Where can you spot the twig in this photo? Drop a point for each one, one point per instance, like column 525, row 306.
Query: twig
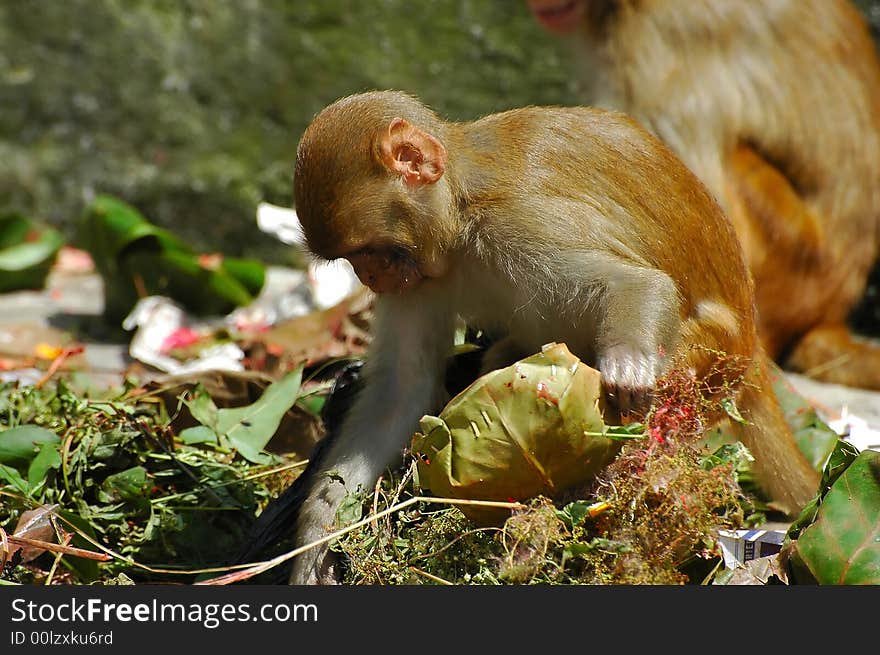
column 122, row 558
column 430, row 576
column 376, row 490
column 52, row 569
column 279, row 469
column 65, row 464
column 56, row 548
column 245, row 571
column 827, row 366
column 260, row 567
column 56, row 364
column 406, row 477
column 4, row 549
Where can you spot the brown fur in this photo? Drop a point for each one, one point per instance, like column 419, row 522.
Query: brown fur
column 572, row 225
column 775, row 105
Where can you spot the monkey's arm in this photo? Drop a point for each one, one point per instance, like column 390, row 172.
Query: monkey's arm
column 638, row 321
column 404, row 376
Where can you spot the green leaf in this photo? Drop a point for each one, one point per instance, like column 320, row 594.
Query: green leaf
column 110, row 226
column 250, row 273
column 250, row 428
column 841, row 458
column 575, row 512
column 133, row 255
column 814, row 437
column 19, row 445
column 816, row 443
column 27, row 252
column 130, row 484
column 842, row 546
column 198, row 434
column 532, row 428
column 735, row 454
column 202, row 407
column 181, row 276
column 624, row 432
column 843, row 455
column 47, row 458
column 350, row 509
column 88, row 569
column 13, row 477
column 732, row 410
column 312, row 403
column 577, row 549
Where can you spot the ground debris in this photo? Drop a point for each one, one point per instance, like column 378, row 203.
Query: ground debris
column 650, row 517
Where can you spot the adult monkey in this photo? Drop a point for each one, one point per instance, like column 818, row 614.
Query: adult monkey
column 775, row 105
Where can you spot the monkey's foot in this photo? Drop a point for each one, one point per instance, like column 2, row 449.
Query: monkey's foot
column 831, row 353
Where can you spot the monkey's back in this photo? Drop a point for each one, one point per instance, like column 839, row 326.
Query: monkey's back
column 596, row 177
column 799, row 80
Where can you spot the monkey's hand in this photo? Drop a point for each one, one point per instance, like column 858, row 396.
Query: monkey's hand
column 628, row 375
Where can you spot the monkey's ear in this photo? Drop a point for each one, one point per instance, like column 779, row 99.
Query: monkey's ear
column 414, row 154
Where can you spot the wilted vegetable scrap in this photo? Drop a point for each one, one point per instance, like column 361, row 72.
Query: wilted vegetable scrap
column 27, row 252
column 136, row 259
column 532, row 428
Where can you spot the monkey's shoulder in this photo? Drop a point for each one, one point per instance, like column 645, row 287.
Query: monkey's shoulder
column 580, row 130
column 585, row 117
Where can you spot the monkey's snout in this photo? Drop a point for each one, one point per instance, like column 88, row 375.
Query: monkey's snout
column 385, row 272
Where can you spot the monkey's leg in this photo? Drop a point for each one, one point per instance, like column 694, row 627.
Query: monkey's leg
column 403, row 377
column 831, row 353
column 802, row 291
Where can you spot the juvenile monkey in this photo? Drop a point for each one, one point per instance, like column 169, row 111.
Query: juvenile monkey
column 547, row 224
column 775, row 105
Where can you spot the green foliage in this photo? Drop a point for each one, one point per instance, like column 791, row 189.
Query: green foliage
column 118, row 475
column 27, row 252
column 135, row 257
column 842, row 545
column 651, row 519
column 814, row 438
column 20, row 444
column 191, row 110
column 247, row 429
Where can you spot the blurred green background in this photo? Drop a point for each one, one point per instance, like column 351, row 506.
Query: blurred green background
column 191, row 109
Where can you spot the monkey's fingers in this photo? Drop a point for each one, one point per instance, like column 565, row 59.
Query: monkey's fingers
column 628, row 376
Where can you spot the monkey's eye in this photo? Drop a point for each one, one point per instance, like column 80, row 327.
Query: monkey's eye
column 388, row 256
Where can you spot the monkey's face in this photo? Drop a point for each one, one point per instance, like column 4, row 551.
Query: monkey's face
column 374, row 225
column 372, row 190
column 559, row 16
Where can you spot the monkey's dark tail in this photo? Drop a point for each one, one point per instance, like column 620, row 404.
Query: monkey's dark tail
column 273, row 529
